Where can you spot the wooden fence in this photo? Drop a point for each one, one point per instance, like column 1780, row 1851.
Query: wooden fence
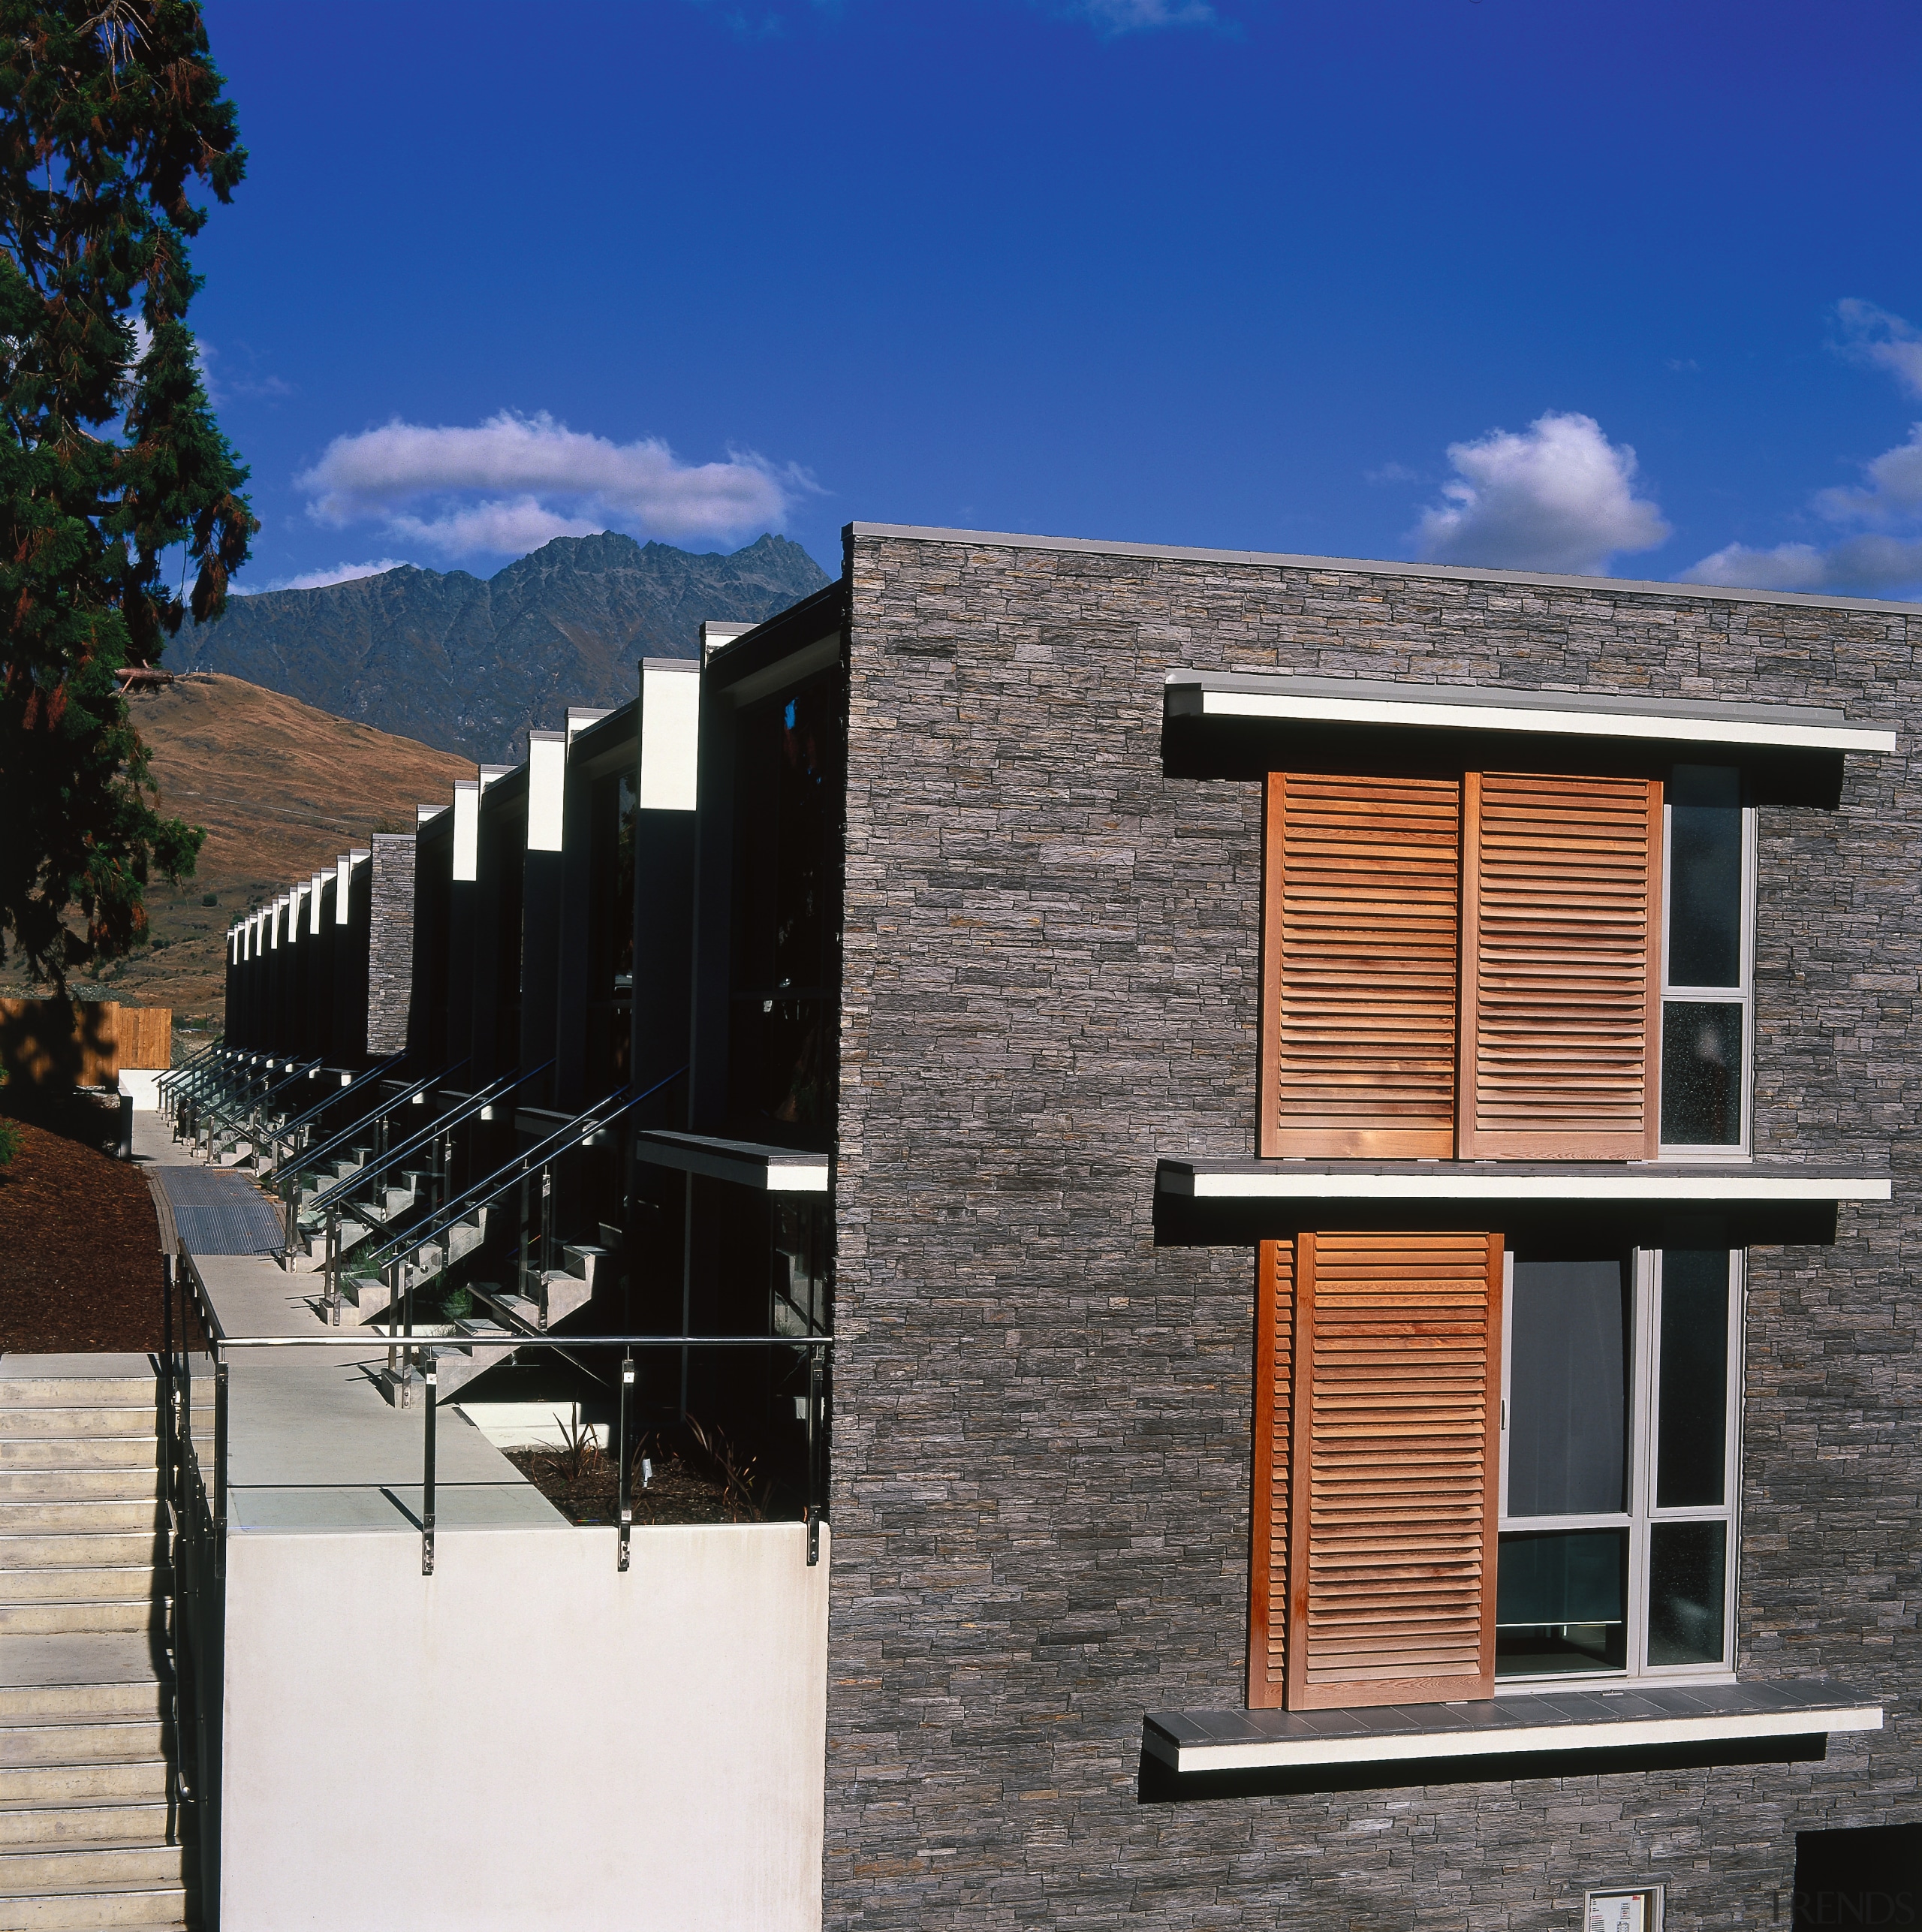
column 82, row 1042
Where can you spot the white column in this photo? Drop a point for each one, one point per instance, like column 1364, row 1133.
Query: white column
column 669, row 732
column 547, row 787
column 466, row 828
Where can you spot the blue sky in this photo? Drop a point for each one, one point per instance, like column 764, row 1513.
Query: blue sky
column 1403, row 280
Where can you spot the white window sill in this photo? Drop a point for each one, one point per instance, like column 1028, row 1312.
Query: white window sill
column 1509, row 1724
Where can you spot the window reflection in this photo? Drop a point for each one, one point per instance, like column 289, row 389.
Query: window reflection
column 1568, row 1388
column 1704, row 876
column 1561, row 1601
column 1701, row 1074
column 787, row 905
column 1692, row 1445
column 1687, row 1562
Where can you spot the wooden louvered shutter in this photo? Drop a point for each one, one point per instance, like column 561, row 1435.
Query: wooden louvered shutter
column 1274, row 1426
column 1560, row 972
column 1392, row 1504
column 1361, row 967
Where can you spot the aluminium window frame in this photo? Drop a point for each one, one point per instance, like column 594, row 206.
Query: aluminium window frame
column 1742, row 994
column 1641, row 1515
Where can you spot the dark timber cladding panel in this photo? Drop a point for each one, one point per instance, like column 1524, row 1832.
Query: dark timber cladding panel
column 1391, row 1569
column 1561, row 974
column 1274, row 1421
column 1363, row 891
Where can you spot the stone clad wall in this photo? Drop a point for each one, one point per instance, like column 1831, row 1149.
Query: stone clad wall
column 390, row 942
column 1041, row 1458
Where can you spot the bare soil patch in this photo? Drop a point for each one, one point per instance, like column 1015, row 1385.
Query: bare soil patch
column 79, row 1259
column 584, row 1490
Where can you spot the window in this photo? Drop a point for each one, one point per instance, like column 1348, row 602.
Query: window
column 1474, row 1464
column 1708, row 974
column 786, row 916
column 1619, row 1449
column 1506, row 966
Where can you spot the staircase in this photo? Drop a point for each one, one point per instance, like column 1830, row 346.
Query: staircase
column 478, row 1344
column 86, row 1749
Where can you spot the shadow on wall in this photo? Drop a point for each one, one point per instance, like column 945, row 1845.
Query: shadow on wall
column 52, row 1050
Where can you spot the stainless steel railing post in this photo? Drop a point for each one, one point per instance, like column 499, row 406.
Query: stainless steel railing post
column 427, row 1476
column 624, row 1490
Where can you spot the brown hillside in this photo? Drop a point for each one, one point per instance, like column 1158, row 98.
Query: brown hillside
column 282, row 789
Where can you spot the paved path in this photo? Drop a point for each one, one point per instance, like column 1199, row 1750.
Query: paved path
column 312, row 1443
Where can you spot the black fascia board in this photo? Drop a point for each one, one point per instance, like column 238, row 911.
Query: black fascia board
column 606, row 738
column 504, row 795
column 795, row 629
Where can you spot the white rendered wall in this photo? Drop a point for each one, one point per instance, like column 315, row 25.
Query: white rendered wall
column 527, row 1738
column 143, row 1084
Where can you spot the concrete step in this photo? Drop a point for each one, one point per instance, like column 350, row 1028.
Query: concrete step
column 102, row 1740
column 137, row 1779
column 89, row 1616
column 105, row 1583
column 45, row 1825
column 96, row 1421
column 32, row 1391
column 142, row 1698
column 73, row 1867
column 82, row 1516
column 81, row 1452
column 126, row 1910
column 77, row 1551
column 72, row 1483
column 566, row 1292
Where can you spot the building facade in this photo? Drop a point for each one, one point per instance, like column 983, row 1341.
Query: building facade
column 1349, row 1122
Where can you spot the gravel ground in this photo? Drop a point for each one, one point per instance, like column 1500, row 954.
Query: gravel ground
column 79, row 1262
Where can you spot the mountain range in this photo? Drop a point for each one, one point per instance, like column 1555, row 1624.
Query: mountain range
column 467, row 664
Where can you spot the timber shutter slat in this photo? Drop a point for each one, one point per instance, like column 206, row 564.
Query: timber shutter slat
column 1560, row 987
column 1274, row 1423
column 1362, row 949
column 1390, row 1567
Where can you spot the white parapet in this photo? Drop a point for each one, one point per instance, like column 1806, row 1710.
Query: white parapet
column 659, row 1735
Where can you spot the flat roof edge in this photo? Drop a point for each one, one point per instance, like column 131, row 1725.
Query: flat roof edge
column 1379, row 567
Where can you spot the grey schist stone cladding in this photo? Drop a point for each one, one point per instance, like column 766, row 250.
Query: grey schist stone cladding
column 1042, row 1456
column 390, row 942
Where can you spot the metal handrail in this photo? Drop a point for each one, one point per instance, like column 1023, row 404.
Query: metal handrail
column 817, row 1347
column 495, row 1090
column 483, row 1192
column 332, row 1144
column 255, row 1101
column 334, row 1099
column 185, row 1067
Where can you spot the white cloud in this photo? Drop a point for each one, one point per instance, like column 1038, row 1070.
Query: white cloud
column 1894, row 493
column 1873, row 336
column 1134, row 16
column 514, row 482
column 1559, row 498
column 319, row 580
column 1883, row 557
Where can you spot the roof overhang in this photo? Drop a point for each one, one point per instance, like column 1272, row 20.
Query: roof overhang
column 746, row 1163
column 1353, row 704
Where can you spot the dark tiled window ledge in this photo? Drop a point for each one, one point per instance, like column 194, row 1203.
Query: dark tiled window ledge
column 1656, row 1716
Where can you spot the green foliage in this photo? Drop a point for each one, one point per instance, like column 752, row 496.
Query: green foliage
column 11, row 1137
column 110, row 455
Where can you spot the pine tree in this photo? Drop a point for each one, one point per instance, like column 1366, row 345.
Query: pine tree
column 111, row 463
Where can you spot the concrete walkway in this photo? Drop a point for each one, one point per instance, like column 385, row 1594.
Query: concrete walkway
column 312, row 1444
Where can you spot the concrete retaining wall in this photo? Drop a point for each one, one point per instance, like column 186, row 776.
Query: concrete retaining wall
column 528, row 1738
